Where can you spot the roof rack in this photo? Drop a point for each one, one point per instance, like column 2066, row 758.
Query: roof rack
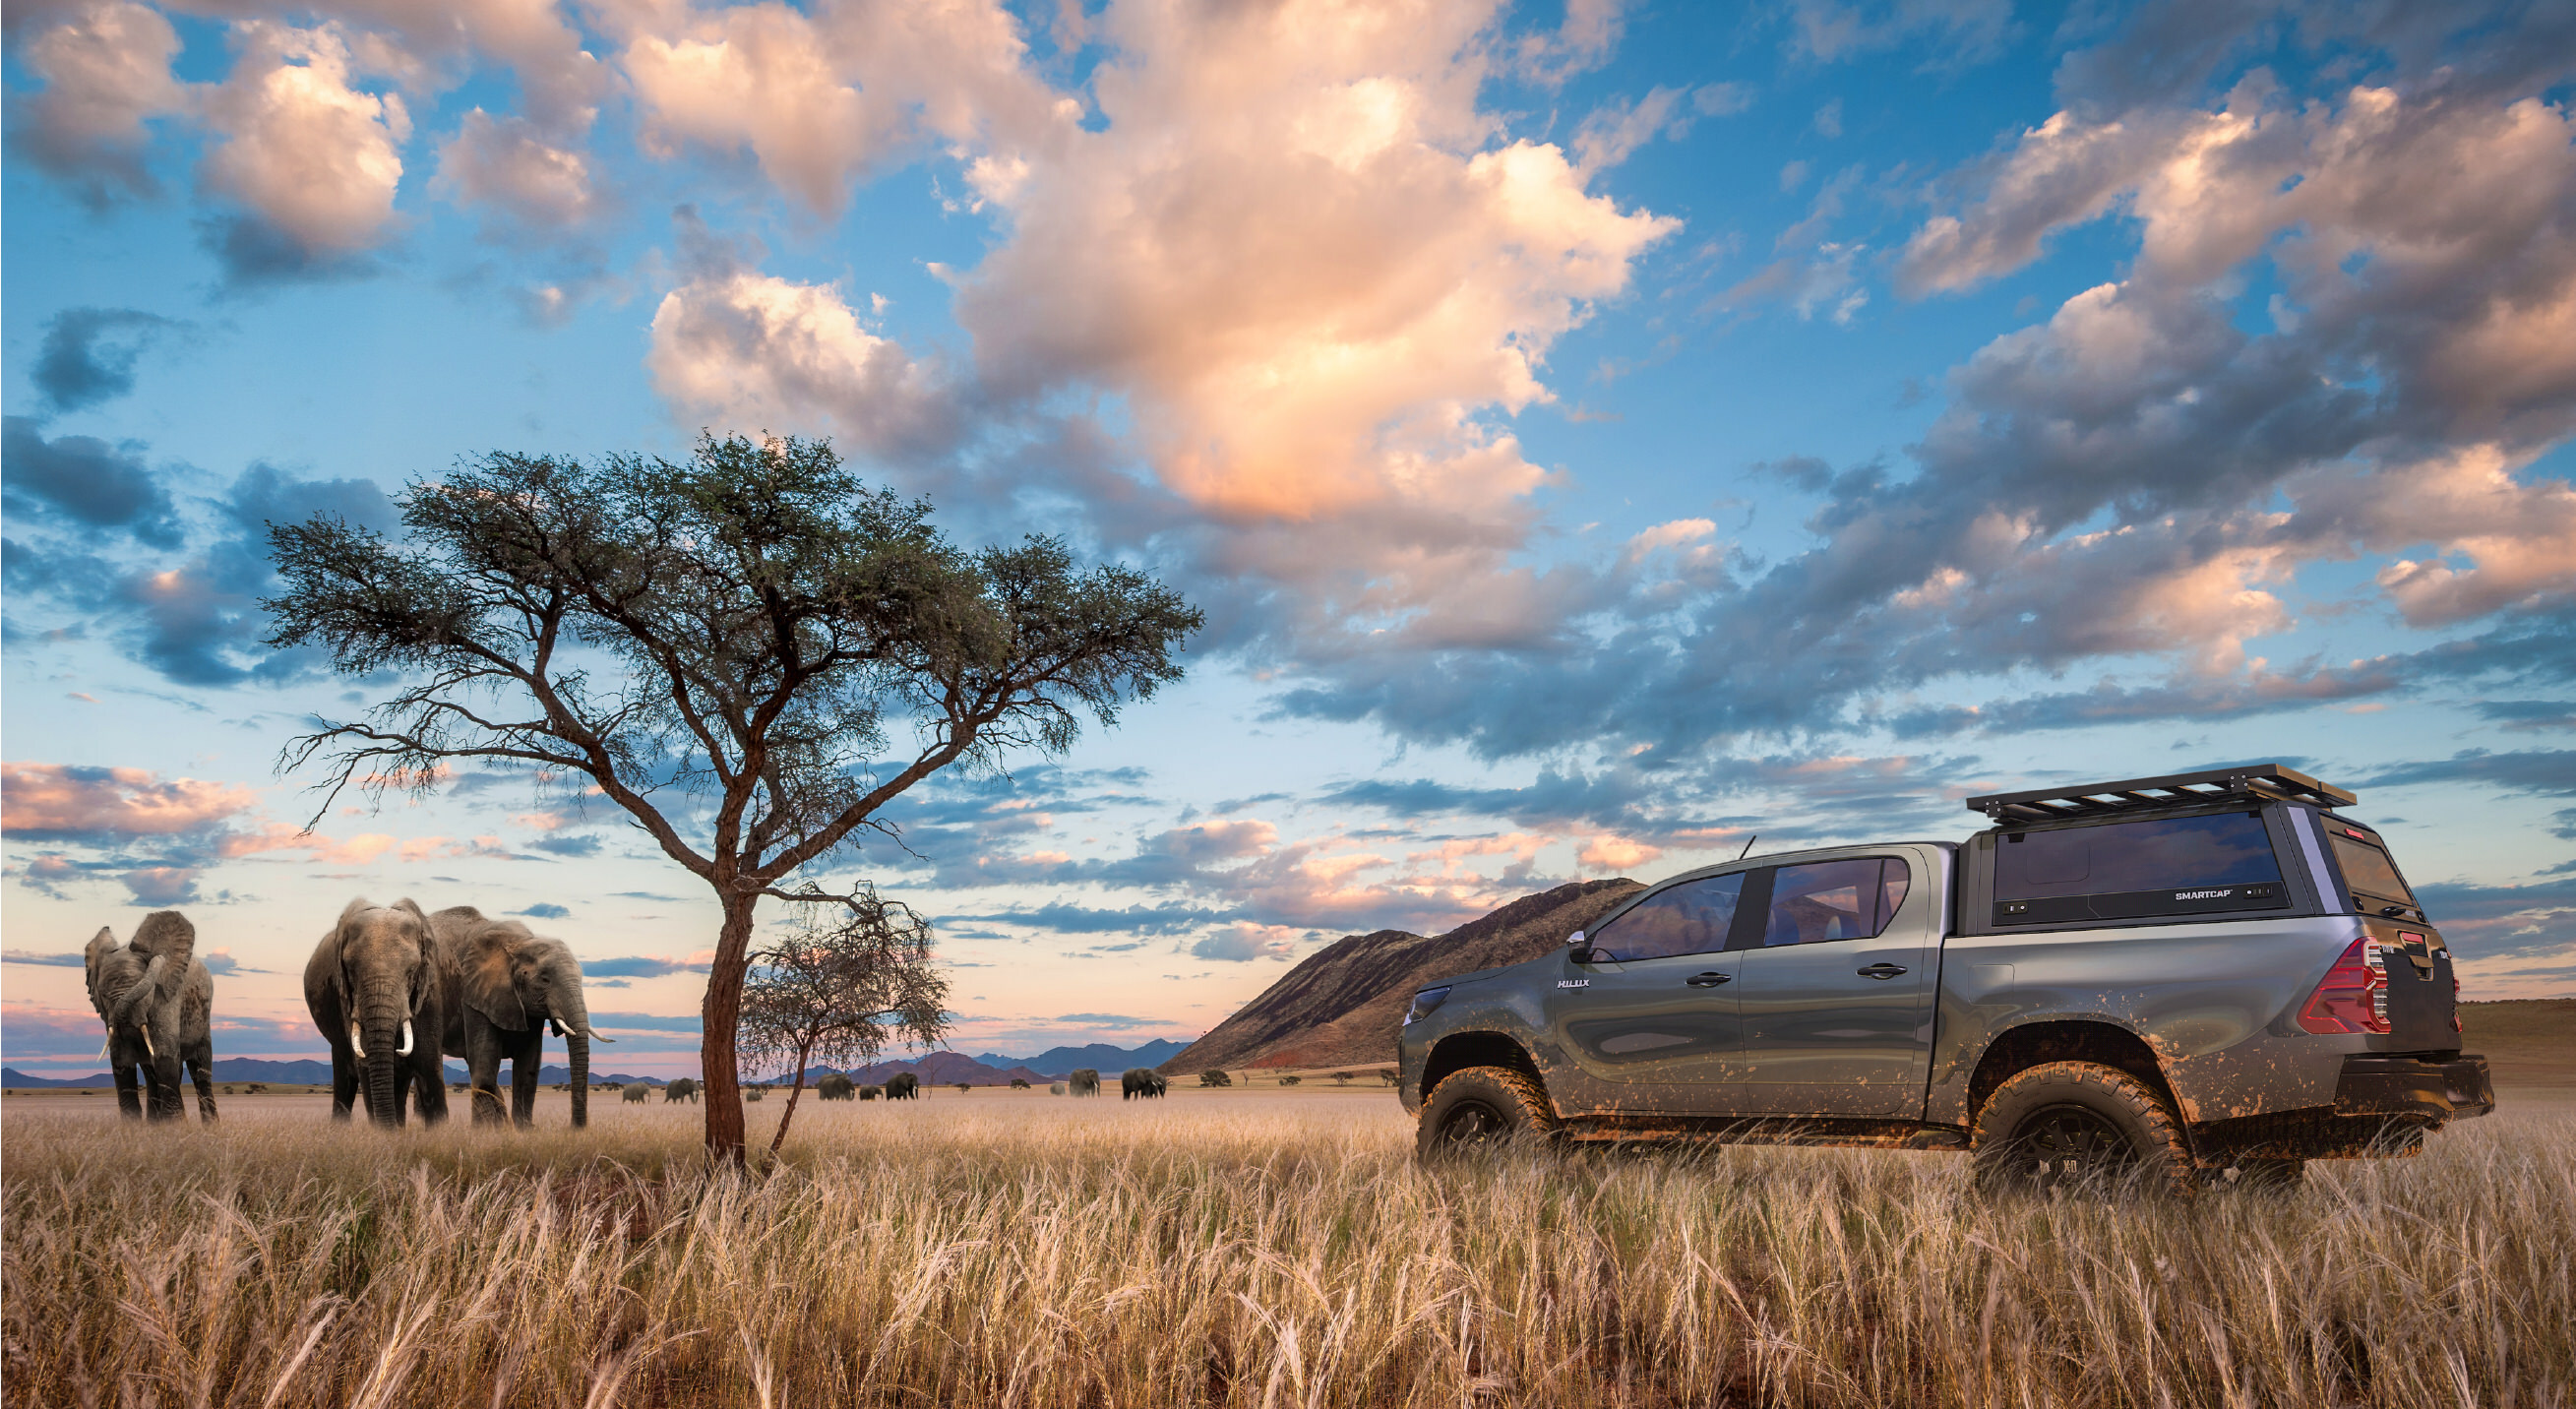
column 2269, row 781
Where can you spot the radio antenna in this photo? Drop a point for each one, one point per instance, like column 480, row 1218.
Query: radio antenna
column 1748, row 846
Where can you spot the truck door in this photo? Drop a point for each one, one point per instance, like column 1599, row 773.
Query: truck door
column 1650, row 1022
column 1834, row 997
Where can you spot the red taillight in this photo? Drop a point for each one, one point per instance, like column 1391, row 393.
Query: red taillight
column 2353, row 996
column 2455, row 1007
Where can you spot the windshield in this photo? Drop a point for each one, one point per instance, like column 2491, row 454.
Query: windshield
column 2366, row 868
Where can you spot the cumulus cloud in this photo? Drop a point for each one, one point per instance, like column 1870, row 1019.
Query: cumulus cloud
column 762, row 352
column 817, row 100
column 505, row 163
column 106, row 72
column 1242, row 943
column 315, row 159
column 54, row 801
column 87, row 481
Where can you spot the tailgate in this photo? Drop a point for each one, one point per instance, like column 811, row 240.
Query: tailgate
column 2422, row 995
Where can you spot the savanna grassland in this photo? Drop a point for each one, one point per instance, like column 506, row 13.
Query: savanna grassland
column 1236, row 1248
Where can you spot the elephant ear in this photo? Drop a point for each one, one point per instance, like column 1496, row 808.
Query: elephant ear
column 101, row 945
column 167, row 935
column 485, row 966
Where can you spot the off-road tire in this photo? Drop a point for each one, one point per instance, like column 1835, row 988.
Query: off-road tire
column 1482, row 1107
column 2061, row 1125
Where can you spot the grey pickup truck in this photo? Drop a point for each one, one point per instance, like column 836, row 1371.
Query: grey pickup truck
column 2206, row 975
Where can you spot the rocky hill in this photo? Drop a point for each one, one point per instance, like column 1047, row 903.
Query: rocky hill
column 1345, row 1001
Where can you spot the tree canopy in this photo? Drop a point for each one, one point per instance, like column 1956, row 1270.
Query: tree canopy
column 838, row 986
column 749, row 651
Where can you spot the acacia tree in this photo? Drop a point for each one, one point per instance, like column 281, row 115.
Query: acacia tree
column 838, row 986
column 725, row 647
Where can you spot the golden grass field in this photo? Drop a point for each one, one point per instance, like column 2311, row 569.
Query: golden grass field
column 1244, row 1248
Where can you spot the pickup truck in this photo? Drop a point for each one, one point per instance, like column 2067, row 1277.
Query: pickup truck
column 2214, row 975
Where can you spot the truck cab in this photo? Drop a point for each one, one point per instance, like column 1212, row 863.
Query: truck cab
column 2229, row 955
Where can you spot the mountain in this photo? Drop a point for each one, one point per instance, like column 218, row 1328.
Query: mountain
column 1099, row 1056
column 18, row 1080
column 1344, row 1003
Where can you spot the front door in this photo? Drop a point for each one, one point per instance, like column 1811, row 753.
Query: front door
column 1835, row 993
column 1650, row 1021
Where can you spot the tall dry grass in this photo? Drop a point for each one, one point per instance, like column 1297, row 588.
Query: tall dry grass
column 1270, row 1249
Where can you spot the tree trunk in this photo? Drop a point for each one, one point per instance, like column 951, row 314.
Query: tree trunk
column 719, row 1017
column 803, row 1054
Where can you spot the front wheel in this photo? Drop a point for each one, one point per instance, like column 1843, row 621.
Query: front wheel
column 1482, row 1106
column 2064, row 1124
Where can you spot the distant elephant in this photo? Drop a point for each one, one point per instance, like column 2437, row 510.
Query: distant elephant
column 503, row 986
column 684, row 1089
column 903, row 1086
column 372, row 987
column 635, row 1094
column 1140, row 1083
column 836, row 1087
column 754, row 1094
column 870, row 1093
column 1085, row 1082
column 156, row 999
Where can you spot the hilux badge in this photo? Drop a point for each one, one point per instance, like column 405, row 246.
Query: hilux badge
column 1574, row 983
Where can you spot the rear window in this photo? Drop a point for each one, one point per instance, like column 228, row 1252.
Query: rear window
column 2136, row 870
column 1830, row 900
column 1690, row 918
column 2366, row 868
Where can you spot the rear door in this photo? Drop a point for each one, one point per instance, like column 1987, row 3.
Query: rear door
column 1652, row 1022
column 1835, row 994
column 2422, row 997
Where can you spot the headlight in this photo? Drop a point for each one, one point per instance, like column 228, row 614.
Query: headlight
column 1423, row 1003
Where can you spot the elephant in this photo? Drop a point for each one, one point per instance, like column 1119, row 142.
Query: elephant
column 504, row 986
column 372, row 987
column 870, row 1093
column 837, row 1087
column 684, row 1089
column 1085, row 1081
column 157, row 1000
column 1140, row 1083
column 635, row 1095
column 903, row 1086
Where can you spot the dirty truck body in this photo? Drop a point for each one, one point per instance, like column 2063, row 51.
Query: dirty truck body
column 2232, row 946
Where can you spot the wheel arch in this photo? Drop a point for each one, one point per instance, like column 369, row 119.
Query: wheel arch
column 2067, row 1040
column 1461, row 1050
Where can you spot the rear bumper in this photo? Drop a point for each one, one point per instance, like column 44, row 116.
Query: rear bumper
column 2437, row 1089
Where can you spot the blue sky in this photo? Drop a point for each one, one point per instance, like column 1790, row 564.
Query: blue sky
column 1597, row 434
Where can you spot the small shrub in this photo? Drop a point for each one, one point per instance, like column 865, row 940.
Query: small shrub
column 1391, row 1077
column 1342, row 1077
column 965, row 1087
column 1055, row 1088
column 1290, row 1080
column 1215, row 1078
column 1019, row 1083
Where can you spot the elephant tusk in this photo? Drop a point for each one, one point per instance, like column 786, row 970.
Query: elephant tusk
column 405, row 1049
column 357, row 1044
column 148, row 1049
column 104, row 1044
column 595, row 1037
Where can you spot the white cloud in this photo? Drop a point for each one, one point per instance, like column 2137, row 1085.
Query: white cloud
column 106, row 71
column 504, row 163
column 316, row 158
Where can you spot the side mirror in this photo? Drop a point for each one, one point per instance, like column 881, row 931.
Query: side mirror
column 1579, row 948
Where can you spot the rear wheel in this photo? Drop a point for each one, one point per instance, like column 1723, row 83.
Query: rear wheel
column 2062, row 1124
column 1482, row 1106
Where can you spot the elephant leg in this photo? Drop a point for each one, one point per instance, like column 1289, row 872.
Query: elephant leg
column 523, row 1077
column 483, row 1071
column 344, row 1081
column 201, row 1067
column 429, row 1085
column 162, row 1091
column 129, row 1101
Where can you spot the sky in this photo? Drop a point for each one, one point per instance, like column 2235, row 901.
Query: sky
column 1600, row 436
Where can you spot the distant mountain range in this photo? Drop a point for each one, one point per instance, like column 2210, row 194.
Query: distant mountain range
column 1344, row 1002
column 1099, row 1056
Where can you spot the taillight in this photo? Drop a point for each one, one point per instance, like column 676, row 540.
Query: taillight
column 2353, row 996
column 2455, row 1007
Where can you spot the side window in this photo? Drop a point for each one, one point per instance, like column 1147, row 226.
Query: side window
column 1830, row 900
column 2127, row 870
column 1691, row 918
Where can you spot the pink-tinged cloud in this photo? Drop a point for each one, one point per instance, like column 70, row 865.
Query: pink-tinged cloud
column 52, row 799
column 316, row 157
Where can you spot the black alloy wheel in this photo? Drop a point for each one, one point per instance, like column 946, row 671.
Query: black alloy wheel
column 2071, row 1142
column 1482, row 1107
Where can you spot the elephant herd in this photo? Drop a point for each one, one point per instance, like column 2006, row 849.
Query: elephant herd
column 394, row 988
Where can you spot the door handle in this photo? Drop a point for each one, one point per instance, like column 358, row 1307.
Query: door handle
column 1882, row 971
column 1711, row 979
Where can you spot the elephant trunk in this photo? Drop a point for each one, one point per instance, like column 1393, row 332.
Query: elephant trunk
column 381, row 1025
column 140, row 994
column 575, row 1018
